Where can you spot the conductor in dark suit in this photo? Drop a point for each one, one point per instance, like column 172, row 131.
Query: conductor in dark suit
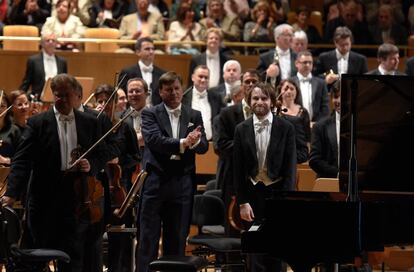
column 57, row 217
column 198, row 98
column 42, row 66
column 265, row 156
column 279, row 63
column 388, row 58
column 145, row 69
column 341, row 60
column 173, row 134
column 325, row 140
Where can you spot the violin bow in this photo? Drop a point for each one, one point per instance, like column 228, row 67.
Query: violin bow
column 112, row 95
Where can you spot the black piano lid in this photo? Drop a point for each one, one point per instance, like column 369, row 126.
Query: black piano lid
column 385, row 132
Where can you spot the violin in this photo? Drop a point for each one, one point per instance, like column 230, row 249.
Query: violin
column 117, row 191
column 89, row 193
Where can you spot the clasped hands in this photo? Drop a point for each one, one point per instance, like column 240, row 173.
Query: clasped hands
column 193, row 137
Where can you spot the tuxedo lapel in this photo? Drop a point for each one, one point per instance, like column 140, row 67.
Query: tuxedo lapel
column 273, row 140
column 53, row 136
column 314, row 84
column 251, row 139
column 164, row 118
column 184, row 121
column 42, row 66
column 334, row 62
column 331, row 131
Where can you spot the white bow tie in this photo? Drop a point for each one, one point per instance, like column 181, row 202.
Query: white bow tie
column 175, row 112
column 66, row 118
column 261, row 125
column 202, row 95
column 147, row 69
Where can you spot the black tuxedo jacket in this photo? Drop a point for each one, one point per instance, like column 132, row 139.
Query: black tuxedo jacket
column 201, row 59
column 409, row 66
column 267, row 58
column 320, row 99
column 324, row 148
column 160, row 144
column 38, row 158
column 135, row 71
column 214, row 99
column 35, row 73
column 219, row 89
column 357, row 63
column 223, row 136
column 281, row 158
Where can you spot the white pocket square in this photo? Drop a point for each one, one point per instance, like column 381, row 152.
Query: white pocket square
column 190, row 124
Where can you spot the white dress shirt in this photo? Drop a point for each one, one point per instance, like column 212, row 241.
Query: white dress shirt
column 213, row 64
column 384, row 72
column 306, row 92
column 342, row 62
column 284, row 63
column 146, row 72
column 68, row 137
column 200, row 103
column 50, row 65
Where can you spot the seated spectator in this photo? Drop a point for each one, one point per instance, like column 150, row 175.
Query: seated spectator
column 299, row 41
column 217, row 17
column 388, row 58
column 184, row 29
column 290, row 97
column 238, row 8
column 28, row 12
column 385, row 29
column 302, row 24
column 142, row 23
column 260, row 29
column 107, row 13
column 195, row 6
column 79, row 8
column 63, row 25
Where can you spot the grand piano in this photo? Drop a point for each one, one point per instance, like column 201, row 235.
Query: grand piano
column 375, row 207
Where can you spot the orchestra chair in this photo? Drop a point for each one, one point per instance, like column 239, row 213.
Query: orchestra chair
column 101, row 33
column 305, row 178
column 20, row 31
column 179, row 264
column 17, row 259
column 315, row 19
column 206, row 164
column 209, row 210
column 326, row 185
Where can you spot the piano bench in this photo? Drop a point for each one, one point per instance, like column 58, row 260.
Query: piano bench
column 179, row 263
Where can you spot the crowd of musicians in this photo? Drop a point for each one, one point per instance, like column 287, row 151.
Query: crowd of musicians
column 64, row 157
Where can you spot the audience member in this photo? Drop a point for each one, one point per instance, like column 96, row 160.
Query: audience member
column 63, row 25
column 238, row 8
column 302, row 23
column 42, row 66
column 78, row 8
column 217, row 17
column 28, row 12
column 142, row 23
column 314, row 92
column 145, row 69
column 388, row 58
column 279, row 63
column 107, row 13
column 341, row 60
column 260, row 28
column 212, row 57
column 185, row 28
column 323, row 157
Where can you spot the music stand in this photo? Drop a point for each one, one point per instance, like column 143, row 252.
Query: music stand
column 85, row 82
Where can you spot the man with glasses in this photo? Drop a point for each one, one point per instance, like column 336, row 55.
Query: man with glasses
column 42, row 66
column 145, row 68
column 223, row 134
column 313, row 89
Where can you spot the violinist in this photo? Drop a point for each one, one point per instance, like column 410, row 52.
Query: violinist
column 121, row 103
column 119, row 250
column 20, row 109
column 43, row 156
column 9, row 133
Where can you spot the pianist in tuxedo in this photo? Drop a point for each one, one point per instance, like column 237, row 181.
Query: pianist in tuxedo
column 325, row 141
column 173, row 134
column 265, row 156
column 388, row 58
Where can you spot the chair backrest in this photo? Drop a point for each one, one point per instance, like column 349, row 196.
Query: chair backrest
column 21, row 31
column 326, row 185
column 305, row 179
column 208, row 210
column 101, row 33
column 211, row 185
column 10, row 231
